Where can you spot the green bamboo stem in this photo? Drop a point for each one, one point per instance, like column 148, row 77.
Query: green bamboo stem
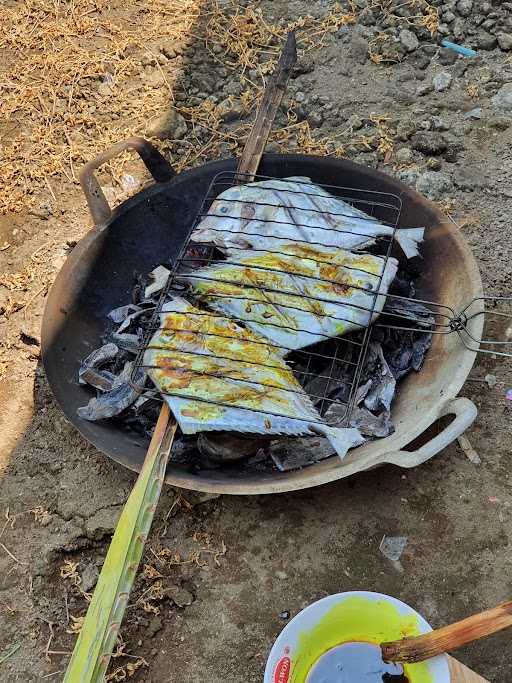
column 98, row 634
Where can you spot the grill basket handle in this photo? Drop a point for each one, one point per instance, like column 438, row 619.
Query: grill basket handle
column 156, row 164
column 465, row 413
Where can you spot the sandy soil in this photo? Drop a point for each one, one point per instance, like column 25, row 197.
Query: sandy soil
column 219, row 576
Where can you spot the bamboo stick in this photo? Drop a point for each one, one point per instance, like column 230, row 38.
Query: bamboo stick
column 450, row 637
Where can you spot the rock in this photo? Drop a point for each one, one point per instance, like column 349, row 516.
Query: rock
column 315, row 119
column 465, row 7
column 429, row 143
column 155, row 625
column 359, row 46
column 404, row 155
column 437, row 123
column 475, row 113
column 355, row 122
column 300, row 96
column 180, row 596
column 304, row 65
column 434, row 164
column 434, row 184
column 447, row 57
column 459, row 29
column 424, row 89
column 103, row 522
column 405, row 129
column 503, row 98
column 442, row 81
column 89, row 577
column 486, row 41
column 409, row 40
column 408, row 176
column 231, row 110
column 169, row 125
column 504, row 41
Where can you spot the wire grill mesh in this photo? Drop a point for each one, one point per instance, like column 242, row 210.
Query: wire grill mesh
column 330, row 369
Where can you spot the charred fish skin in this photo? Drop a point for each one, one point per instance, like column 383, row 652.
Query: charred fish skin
column 264, row 214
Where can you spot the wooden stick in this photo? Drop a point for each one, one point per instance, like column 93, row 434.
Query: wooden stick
column 449, row 638
column 272, row 97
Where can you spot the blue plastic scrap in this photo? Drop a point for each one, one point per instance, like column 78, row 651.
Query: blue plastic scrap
column 465, row 51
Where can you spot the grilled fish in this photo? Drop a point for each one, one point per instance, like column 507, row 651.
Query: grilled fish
column 299, row 296
column 263, row 214
column 218, row 376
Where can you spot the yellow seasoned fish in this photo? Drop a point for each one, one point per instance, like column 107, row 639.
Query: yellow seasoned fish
column 218, row 376
column 297, row 296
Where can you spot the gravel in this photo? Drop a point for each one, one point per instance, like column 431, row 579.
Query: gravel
column 465, row 7
column 429, row 142
column 503, row 98
column 434, row 184
column 442, row 81
column 409, row 40
column 504, row 41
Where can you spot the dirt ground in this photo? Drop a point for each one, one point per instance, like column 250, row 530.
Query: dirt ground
column 221, row 576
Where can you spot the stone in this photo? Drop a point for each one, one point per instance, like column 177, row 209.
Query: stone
column 300, row 96
column 231, row 110
column 459, row 29
column 169, row 125
column 305, row 65
column 442, row 81
column 437, row 123
column 409, row 40
column 103, row 522
column 503, row 98
column 434, row 184
column 404, row 155
column 504, row 41
column 315, row 119
column 447, row 57
column 155, row 625
column 355, row 122
column 465, row 7
column 434, row 164
column 408, row 176
column 475, row 113
column 429, row 142
column 486, row 41
column 89, row 575
column 180, row 596
column 359, row 46
column 424, row 89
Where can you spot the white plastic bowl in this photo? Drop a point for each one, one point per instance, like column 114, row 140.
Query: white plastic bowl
column 282, row 664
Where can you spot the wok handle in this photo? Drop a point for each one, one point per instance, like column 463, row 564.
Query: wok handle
column 465, row 412
column 157, row 165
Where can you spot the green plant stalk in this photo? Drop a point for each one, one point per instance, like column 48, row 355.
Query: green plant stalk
column 98, row 634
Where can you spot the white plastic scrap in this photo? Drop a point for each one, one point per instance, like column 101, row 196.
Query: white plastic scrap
column 159, row 278
column 392, row 547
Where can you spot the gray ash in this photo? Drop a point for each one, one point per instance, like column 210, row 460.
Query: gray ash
column 391, row 355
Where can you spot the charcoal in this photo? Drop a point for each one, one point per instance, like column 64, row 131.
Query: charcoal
column 381, row 389
column 368, row 423
column 99, row 379
column 113, row 402
column 118, row 315
column 90, row 371
column 128, row 342
column 228, row 447
column 294, row 453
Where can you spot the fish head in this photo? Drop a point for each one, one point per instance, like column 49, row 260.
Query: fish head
column 228, row 216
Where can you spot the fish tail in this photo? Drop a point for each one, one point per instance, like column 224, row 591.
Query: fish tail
column 408, row 239
column 340, row 438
